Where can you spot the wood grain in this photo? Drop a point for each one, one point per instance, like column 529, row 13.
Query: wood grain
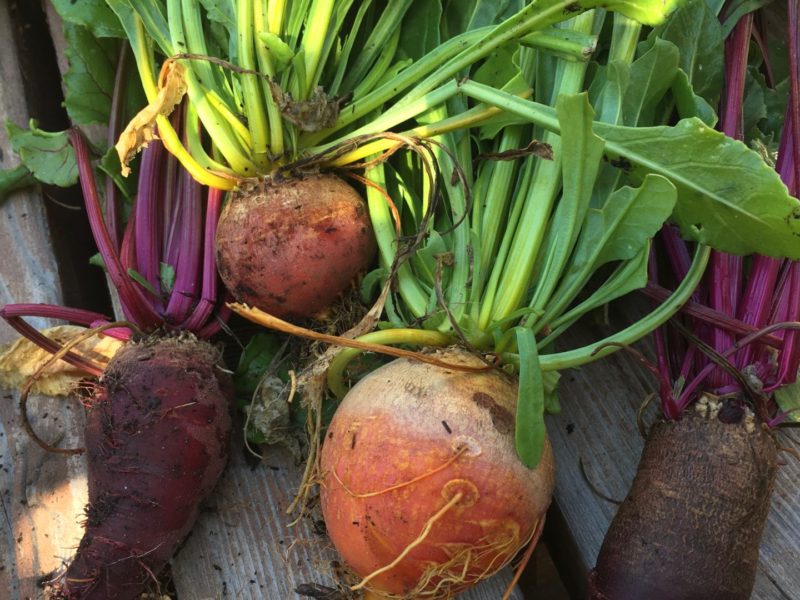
column 29, row 268
column 41, row 495
column 597, row 426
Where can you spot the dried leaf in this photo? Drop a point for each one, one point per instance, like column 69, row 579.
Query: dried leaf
column 22, row 358
column 535, row 148
column 141, row 130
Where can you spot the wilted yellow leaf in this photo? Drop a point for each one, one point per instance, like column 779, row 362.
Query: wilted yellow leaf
column 21, row 359
column 141, row 130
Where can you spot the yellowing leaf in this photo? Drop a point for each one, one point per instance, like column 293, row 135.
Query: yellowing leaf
column 21, row 359
column 141, row 130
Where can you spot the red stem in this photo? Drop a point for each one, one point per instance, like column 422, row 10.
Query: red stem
column 13, row 314
column 135, row 306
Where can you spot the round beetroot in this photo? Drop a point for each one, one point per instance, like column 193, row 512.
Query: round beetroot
column 422, row 458
column 291, row 247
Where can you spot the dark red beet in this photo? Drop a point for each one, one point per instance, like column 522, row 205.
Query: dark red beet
column 157, row 436
column 691, row 525
column 291, row 248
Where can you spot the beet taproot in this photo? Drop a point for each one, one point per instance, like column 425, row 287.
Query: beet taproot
column 290, row 247
column 157, row 437
column 423, row 494
column 691, row 524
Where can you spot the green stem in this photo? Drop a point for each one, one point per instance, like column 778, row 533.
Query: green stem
column 398, row 115
column 534, row 16
column 378, row 71
column 316, row 31
column 624, row 39
column 636, row 331
column 222, row 134
column 518, row 269
column 261, row 19
column 386, row 337
column 275, row 12
column 251, row 88
column 383, row 226
column 404, row 79
column 388, row 26
column 566, row 44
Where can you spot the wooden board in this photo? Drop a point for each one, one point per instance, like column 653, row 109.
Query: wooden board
column 243, row 546
column 597, row 426
column 41, row 495
column 29, row 268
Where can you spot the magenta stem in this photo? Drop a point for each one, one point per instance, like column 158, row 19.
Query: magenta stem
column 210, row 290
column 134, row 304
column 13, row 314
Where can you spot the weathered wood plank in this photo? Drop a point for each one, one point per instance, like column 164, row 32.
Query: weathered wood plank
column 29, row 268
column 41, row 495
column 244, row 547
column 597, row 426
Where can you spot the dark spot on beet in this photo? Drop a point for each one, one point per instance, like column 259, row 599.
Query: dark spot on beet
column 446, row 427
column 353, row 442
column 502, row 420
column 731, row 412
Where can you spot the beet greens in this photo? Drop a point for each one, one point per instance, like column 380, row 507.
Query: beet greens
column 747, row 345
column 521, row 249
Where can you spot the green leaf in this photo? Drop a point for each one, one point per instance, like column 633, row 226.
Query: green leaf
column 139, row 278
column 420, row 30
column 788, row 399
column 15, row 179
column 279, row 51
column 109, row 164
column 529, row 432
column 89, row 81
column 646, row 12
column 257, row 356
column 630, row 275
column 166, row 277
column 581, row 152
column 728, row 197
column 222, row 12
column 96, row 260
column 697, row 33
column 649, row 80
column 94, row 14
column 49, row 156
column 465, row 15
column 737, row 9
column 631, row 217
column 617, row 231
column 690, row 104
column 499, row 68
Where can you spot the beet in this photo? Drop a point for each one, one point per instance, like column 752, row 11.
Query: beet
column 291, row 247
column 414, row 446
column 157, row 436
column 691, row 525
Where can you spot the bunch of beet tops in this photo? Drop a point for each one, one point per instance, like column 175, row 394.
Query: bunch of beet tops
column 417, row 198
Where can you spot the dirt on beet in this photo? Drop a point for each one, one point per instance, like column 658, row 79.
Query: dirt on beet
column 292, row 247
column 691, row 524
column 157, row 437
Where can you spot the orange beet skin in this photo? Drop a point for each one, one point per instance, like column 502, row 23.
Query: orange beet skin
column 403, row 444
column 291, row 247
